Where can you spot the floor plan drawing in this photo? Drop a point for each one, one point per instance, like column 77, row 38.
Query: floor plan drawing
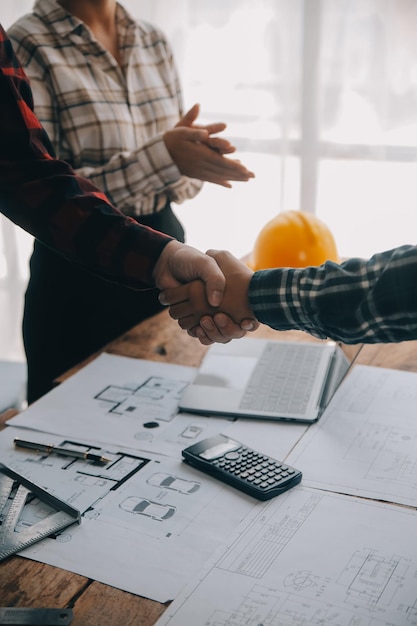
column 156, row 398
column 140, row 512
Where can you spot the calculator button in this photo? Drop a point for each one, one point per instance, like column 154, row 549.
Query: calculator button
column 232, row 456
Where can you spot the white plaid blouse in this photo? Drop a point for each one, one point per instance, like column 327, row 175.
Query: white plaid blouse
column 106, row 120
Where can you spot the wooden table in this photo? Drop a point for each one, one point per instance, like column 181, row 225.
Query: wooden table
column 25, row 583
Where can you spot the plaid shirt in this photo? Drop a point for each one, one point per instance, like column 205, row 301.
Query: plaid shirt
column 359, row 301
column 106, row 120
column 45, row 197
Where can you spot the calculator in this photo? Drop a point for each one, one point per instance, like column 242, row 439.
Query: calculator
column 242, row 467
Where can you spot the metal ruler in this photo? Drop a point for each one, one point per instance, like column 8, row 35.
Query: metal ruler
column 35, row 617
column 15, row 490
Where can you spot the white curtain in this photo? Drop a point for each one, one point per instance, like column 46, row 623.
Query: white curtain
column 320, row 97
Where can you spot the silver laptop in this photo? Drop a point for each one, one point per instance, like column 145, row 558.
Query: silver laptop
column 268, row 379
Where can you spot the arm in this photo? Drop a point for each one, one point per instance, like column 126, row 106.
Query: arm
column 45, row 197
column 370, row 301
column 357, row 301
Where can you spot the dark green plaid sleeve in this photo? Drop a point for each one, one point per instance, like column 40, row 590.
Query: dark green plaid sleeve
column 370, row 301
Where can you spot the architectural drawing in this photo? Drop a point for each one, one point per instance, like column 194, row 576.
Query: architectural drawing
column 390, row 452
column 309, row 558
column 149, row 397
column 266, row 606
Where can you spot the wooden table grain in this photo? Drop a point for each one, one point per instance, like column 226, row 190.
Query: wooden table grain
column 26, row 583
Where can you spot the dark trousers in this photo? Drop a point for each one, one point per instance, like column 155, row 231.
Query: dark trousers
column 70, row 313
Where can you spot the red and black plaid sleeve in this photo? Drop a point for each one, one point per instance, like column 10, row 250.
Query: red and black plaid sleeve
column 45, row 197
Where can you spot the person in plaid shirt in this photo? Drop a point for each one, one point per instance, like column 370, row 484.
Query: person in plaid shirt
column 70, row 216
column 107, row 92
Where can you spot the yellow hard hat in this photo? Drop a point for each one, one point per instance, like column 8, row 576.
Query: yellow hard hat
column 293, row 239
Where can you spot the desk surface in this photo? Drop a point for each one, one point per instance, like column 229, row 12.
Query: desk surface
column 25, row 583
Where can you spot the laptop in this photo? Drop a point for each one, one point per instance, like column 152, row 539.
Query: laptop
column 268, row 379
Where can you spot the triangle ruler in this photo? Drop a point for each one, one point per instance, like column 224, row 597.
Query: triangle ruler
column 18, row 532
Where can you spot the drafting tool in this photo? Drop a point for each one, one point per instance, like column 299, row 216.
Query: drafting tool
column 50, row 449
column 35, row 617
column 15, row 493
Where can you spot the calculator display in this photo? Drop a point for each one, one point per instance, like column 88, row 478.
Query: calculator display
column 219, row 450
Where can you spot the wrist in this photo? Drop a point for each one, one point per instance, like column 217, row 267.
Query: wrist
column 162, row 267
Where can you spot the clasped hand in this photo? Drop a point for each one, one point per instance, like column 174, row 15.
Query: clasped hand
column 230, row 320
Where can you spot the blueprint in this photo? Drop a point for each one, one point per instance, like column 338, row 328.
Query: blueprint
column 112, row 399
column 148, row 522
column 145, row 505
column 309, row 558
column 134, row 403
column 365, row 444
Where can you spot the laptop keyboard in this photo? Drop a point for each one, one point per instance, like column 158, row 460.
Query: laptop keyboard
column 282, row 380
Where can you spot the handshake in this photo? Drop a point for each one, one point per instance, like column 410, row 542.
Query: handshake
column 230, row 320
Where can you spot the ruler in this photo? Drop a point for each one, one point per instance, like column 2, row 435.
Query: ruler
column 15, row 493
column 35, row 617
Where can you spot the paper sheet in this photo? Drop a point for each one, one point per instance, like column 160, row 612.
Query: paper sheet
column 365, row 444
column 186, row 514
column 308, row 557
column 132, row 402
column 112, row 399
column 148, row 522
column 158, row 528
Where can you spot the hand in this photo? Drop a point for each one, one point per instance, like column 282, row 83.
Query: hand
column 230, row 320
column 214, row 328
column 221, row 329
column 236, row 296
column 179, row 263
column 221, row 145
column 199, row 155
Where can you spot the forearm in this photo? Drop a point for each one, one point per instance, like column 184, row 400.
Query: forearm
column 358, row 301
column 75, row 220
